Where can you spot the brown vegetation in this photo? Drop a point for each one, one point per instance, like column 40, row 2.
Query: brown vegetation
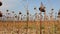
column 19, row 27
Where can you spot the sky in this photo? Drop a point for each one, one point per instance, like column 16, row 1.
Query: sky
column 21, row 5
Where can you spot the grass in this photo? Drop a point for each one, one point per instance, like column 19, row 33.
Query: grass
column 31, row 25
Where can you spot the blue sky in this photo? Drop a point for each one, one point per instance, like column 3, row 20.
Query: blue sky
column 20, row 5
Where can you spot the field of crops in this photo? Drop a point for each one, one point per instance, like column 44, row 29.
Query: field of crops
column 30, row 27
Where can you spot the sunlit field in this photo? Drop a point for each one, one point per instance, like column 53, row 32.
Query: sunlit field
column 30, row 27
column 29, row 17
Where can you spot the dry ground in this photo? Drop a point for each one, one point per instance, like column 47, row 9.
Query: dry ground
column 33, row 27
